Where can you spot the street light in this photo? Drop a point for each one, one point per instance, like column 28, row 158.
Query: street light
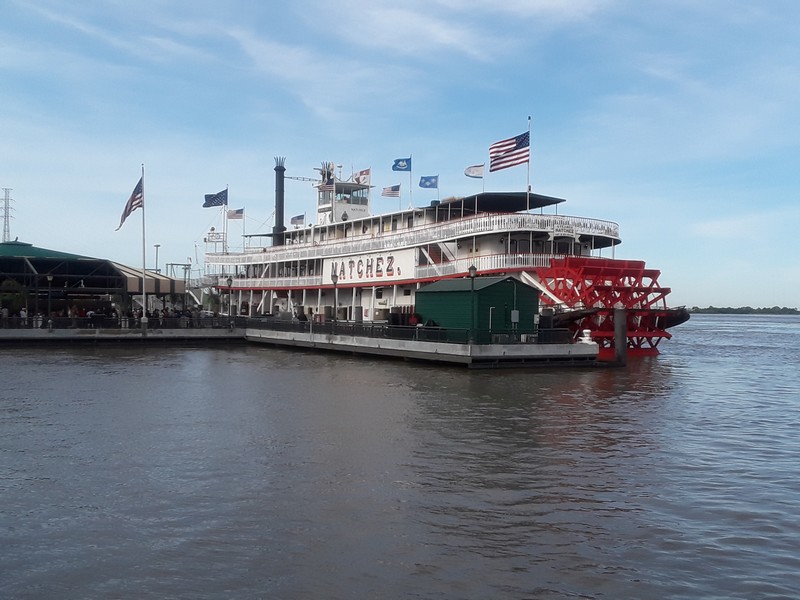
column 335, row 280
column 230, row 293
column 156, row 246
column 472, row 272
column 49, row 293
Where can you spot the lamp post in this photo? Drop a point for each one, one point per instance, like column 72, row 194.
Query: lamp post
column 156, row 246
column 49, row 293
column 230, row 294
column 335, row 280
column 472, row 272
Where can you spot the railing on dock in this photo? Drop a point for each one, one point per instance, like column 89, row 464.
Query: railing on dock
column 413, row 332
column 422, row 333
column 109, row 322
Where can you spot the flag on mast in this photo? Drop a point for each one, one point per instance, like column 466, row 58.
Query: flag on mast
column 362, row 177
column 510, row 153
column 218, row 199
column 475, row 171
column 431, row 181
column 402, row 164
column 393, row 191
column 135, row 201
column 236, row 214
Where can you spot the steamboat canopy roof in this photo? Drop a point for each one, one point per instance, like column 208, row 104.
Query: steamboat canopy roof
column 504, row 202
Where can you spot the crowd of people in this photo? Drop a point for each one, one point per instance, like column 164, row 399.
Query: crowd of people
column 109, row 316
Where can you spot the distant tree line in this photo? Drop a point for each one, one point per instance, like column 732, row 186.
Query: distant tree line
column 745, row 310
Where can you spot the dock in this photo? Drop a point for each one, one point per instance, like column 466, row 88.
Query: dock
column 459, row 347
column 441, row 346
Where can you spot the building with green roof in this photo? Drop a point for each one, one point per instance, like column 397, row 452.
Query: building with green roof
column 487, row 306
column 36, row 278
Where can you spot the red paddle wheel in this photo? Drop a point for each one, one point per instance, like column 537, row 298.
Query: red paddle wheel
column 603, row 284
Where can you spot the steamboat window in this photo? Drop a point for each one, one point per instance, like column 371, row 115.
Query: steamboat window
column 378, row 293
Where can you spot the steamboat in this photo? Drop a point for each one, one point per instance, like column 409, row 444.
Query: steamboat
column 352, row 265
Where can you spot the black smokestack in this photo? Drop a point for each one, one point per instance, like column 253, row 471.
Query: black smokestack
column 279, row 228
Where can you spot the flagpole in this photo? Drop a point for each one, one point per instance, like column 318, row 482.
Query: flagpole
column 144, row 262
column 225, row 223
column 410, row 185
column 528, row 186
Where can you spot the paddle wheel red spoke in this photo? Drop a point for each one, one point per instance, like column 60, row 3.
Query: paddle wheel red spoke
column 607, row 284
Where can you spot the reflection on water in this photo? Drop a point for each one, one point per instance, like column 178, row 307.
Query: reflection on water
column 256, row 472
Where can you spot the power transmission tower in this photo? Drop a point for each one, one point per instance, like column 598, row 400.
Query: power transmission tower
column 7, row 214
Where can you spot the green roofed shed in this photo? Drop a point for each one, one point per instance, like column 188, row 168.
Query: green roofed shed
column 489, row 305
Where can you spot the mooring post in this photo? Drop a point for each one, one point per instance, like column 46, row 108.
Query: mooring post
column 620, row 336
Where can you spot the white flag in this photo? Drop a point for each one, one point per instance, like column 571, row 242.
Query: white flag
column 475, row 171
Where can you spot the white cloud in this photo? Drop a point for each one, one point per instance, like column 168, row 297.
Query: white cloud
column 555, row 10
column 414, row 32
column 328, row 84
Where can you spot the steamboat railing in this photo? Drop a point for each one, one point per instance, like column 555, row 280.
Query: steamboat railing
column 556, row 225
column 484, row 264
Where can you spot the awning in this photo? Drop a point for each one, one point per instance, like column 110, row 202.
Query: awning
column 155, row 283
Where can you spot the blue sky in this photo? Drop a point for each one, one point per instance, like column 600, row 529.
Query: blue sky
column 679, row 120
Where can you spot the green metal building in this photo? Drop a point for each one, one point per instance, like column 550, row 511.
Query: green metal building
column 489, row 307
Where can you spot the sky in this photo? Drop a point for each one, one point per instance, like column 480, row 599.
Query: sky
column 678, row 120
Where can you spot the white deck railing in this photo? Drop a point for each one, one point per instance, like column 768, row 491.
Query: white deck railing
column 359, row 244
column 484, row 264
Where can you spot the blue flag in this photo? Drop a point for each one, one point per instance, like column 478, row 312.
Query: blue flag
column 402, row 164
column 429, row 182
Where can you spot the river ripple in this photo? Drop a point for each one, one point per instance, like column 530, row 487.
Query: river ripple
column 254, row 472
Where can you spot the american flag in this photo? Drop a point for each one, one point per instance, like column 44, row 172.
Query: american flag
column 393, row 191
column 510, row 153
column 298, row 219
column 236, row 214
column 218, row 199
column 135, row 201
